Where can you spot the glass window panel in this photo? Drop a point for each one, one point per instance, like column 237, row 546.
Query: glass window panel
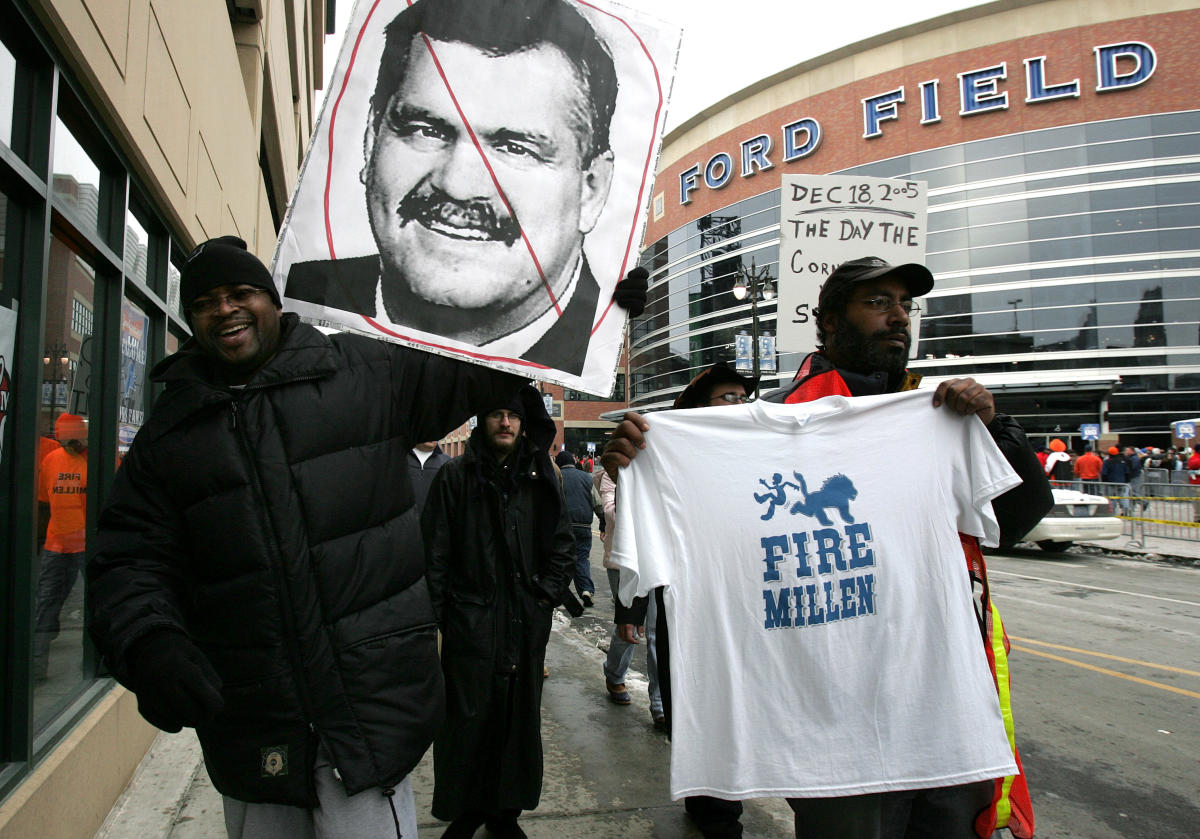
column 1056, row 159
column 999, row 211
column 8, row 83
column 999, row 255
column 137, row 244
column 1002, row 167
column 1060, row 295
column 1059, row 182
column 1187, row 215
column 1171, row 123
column 1171, row 170
column 173, row 289
column 62, row 482
column 1056, row 205
column 135, row 344
column 995, row 234
column 1055, row 249
column 1124, row 221
column 994, row 147
column 1121, row 243
column 975, row 193
column 1178, row 239
column 941, row 178
column 948, row 241
column 924, row 161
column 1117, row 129
column 1054, row 138
column 949, row 261
column 1116, row 199
column 1176, row 145
column 1060, row 226
column 1120, row 152
column 947, row 220
column 76, row 176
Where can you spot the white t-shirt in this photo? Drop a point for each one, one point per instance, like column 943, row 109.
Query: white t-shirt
column 852, row 665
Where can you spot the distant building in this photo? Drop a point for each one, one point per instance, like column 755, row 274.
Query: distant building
column 1060, row 142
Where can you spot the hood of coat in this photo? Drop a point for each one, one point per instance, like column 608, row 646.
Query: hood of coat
column 536, row 425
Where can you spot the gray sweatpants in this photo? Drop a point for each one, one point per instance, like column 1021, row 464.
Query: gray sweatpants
column 368, row 815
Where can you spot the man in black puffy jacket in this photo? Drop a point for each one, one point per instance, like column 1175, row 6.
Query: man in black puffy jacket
column 258, row 572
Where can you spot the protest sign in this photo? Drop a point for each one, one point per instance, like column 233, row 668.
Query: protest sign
column 478, row 181
column 826, row 220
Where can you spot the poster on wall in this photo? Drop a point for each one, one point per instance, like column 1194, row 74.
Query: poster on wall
column 8, row 341
column 826, row 220
column 479, row 178
column 131, row 411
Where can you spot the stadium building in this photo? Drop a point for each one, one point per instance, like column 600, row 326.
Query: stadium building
column 1060, row 141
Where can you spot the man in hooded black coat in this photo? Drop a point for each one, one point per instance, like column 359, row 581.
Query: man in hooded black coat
column 499, row 556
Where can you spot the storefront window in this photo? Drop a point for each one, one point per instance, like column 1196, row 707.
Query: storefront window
column 76, row 176
column 62, row 482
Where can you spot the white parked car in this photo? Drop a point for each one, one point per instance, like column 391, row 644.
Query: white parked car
column 1077, row 516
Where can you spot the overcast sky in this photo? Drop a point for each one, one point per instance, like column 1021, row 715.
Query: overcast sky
column 729, row 44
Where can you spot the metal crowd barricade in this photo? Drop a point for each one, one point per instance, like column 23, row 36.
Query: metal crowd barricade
column 1166, row 509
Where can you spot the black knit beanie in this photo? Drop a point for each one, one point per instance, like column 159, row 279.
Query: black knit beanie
column 222, row 261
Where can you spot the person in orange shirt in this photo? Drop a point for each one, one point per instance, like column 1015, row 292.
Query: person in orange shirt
column 62, row 486
column 1088, row 466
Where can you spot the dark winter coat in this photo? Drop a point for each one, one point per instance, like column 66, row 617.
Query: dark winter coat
column 421, row 474
column 1115, row 470
column 274, row 525
column 500, row 554
column 577, row 487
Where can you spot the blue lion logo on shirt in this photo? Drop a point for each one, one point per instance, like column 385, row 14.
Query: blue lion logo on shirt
column 837, row 492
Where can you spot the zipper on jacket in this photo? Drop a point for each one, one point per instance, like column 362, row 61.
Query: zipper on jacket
column 291, row 640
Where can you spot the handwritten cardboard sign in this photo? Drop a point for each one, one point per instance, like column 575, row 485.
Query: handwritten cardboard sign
column 828, row 219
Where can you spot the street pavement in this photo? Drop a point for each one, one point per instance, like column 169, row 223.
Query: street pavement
column 606, row 768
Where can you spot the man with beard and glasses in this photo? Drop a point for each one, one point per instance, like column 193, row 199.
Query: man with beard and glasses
column 499, row 555
column 863, row 334
column 487, row 162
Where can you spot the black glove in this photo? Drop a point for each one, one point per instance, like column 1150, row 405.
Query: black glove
column 630, row 293
column 174, row 683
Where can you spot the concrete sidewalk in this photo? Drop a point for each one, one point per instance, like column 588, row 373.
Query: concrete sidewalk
column 605, row 774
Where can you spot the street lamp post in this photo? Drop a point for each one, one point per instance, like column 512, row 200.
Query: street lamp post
column 757, row 284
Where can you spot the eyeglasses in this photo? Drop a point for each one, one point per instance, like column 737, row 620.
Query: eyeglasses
column 208, row 305
column 732, row 398
column 883, row 304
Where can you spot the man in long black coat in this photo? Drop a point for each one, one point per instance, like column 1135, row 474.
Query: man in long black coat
column 499, row 556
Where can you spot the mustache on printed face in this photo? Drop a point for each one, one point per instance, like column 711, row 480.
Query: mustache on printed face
column 474, row 220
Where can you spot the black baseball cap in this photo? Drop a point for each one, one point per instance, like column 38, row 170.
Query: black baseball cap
column 914, row 275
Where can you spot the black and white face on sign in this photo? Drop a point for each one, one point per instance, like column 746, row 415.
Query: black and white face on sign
column 478, row 181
